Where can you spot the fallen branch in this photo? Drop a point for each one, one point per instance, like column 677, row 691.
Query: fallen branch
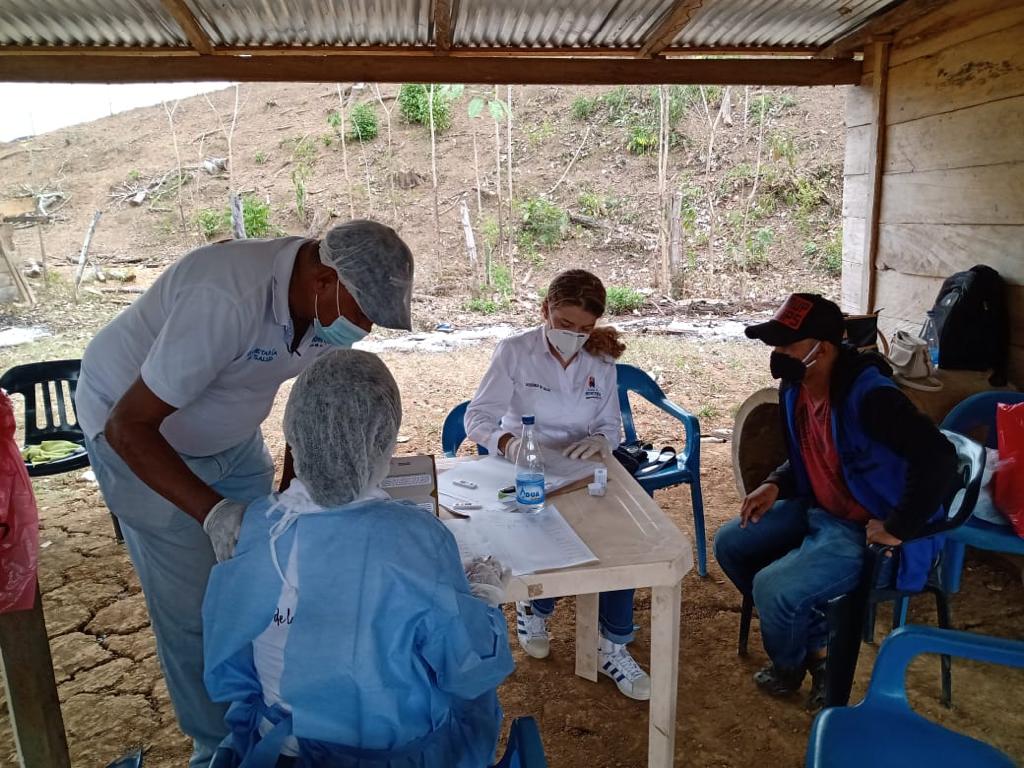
column 586, row 221
column 83, row 256
column 586, row 135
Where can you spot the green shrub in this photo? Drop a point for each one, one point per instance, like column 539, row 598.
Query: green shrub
column 501, row 277
column 414, row 105
column 622, row 299
column 783, row 146
column 363, row 120
column 260, row 158
column 256, row 215
column 593, row 204
column 134, row 175
column 211, row 221
column 543, row 222
column 327, row 139
column 483, row 306
column 757, row 245
column 334, row 119
column 584, row 108
column 643, row 140
column 831, row 260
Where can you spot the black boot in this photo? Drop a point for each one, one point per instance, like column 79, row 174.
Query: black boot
column 816, row 699
column 779, row 681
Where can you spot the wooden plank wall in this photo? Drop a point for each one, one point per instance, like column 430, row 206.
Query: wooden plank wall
column 953, row 184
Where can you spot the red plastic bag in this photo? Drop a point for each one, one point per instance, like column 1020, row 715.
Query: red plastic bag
column 19, row 521
column 1009, row 480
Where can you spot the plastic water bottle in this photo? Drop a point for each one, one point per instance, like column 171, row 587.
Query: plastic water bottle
column 930, row 334
column 529, row 470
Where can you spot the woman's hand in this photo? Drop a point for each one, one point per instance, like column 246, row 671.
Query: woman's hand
column 757, row 503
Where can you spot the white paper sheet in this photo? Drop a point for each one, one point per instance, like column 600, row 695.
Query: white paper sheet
column 525, row 543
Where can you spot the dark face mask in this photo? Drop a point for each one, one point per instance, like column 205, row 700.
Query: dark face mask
column 789, row 369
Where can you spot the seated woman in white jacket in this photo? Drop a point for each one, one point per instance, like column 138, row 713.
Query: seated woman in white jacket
column 562, row 372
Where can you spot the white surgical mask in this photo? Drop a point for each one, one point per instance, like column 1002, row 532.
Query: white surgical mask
column 567, row 343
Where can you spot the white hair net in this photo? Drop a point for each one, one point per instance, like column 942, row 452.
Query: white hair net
column 342, row 422
column 376, row 267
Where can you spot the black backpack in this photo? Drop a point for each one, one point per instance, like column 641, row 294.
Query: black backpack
column 972, row 323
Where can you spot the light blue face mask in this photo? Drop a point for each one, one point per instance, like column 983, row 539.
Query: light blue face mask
column 342, row 333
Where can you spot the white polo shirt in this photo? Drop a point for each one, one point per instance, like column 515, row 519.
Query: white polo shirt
column 525, row 378
column 211, row 337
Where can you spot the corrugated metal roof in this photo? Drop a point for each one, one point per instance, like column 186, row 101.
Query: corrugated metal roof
column 742, row 23
column 142, row 23
column 254, row 23
column 532, row 24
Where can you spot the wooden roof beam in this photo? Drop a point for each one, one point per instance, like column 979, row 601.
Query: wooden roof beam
column 445, row 14
column 885, row 23
column 189, row 25
column 397, row 68
column 669, row 27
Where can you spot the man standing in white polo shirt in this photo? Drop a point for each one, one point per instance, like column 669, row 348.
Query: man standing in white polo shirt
column 172, row 395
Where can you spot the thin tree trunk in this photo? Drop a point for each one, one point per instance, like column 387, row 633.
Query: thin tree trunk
column 344, row 153
column 712, row 128
column 391, row 156
column 42, row 251
column 725, row 110
column 508, row 162
column 476, row 171
column 177, row 158
column 467, row 229
column 237, row 216
column 497, row 185
column 433, row 170
column 665, row 279
column 753, row 187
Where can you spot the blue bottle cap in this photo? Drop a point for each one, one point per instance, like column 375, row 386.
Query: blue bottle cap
column 527, row 420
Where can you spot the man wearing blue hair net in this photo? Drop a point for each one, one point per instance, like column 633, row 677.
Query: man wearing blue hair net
column 172, row 394
column 344, row 631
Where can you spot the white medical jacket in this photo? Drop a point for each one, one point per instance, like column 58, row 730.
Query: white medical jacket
column 525, row 378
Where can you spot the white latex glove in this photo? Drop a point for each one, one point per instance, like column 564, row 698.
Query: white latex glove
column 587, row 447
column 488, row 579
column 222, row 525
column 512, row 449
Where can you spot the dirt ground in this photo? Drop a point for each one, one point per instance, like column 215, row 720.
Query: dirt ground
column 113, row 697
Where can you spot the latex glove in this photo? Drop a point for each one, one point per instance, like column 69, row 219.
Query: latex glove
column 512, row 449
column 587, row 447
column 488, row 579
column 222, row 525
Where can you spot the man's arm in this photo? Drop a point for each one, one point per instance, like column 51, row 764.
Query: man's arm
column 784, row 479
column 133, row 431
column 891, row 419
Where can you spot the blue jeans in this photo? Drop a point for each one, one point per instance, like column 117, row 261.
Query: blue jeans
column 792, row 562
column 173, row 558
column 614, row 614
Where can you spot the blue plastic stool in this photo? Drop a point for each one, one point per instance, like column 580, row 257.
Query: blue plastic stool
column 884, row 731
column 972, row 417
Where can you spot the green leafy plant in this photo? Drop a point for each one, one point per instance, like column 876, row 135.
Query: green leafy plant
column 334, row 119
column 414, row 104
column 783, row 146
column 364, row 123
column 584, row 108
column 211, row 221
column 539, row 134
column 643, row 139
column 502, row 279
column 831, row 260
column 260, row 158
column 757, row 245
column 623, row 299
column 543, row 222
column 484, row 306
column 256, row 215
column 593, row 204
column 134, row 175
column 327, row 139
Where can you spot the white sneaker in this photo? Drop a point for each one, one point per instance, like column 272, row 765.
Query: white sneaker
column 532, row 631
column 614, row 661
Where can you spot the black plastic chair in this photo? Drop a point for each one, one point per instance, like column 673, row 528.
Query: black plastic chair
column 852, row 615
column 33, row 382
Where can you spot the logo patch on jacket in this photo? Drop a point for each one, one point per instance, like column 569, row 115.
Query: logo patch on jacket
column 262, row 355
column 535, row 385
column 592, row 392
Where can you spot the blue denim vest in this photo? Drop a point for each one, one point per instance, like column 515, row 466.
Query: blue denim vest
column 875, row 475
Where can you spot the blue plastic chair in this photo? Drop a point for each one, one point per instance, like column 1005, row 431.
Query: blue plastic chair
column 686, row 468
column 453, row 432
column 884, row 731
column 976, row 417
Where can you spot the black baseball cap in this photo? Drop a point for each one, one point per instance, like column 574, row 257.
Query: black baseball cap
column 802, row 316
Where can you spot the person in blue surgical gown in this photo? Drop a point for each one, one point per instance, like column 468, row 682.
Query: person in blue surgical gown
column 345, row 631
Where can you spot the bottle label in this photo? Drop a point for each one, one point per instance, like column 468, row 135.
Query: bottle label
column 530, row 490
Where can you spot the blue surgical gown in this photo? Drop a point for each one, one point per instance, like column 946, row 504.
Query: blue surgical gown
column 389, row 660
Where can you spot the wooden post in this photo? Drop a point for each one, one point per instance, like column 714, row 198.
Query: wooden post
column 42, row 251
column 586, row 636
column 665, row 617
column 467, row 228
column 675, row 244
column 32, row 690
column 237, row 216
column 879, row 89
column 84, row 255
column 7, row 254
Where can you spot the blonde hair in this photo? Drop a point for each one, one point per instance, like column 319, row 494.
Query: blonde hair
column 579, row 288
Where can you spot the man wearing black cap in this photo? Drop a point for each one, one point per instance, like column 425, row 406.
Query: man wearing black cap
column 865, row 466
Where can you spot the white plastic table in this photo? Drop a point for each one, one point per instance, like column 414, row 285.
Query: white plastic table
column 636, row 546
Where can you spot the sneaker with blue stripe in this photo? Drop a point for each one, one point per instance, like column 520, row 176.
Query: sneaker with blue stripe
column 532, row 631
column 614, row 661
